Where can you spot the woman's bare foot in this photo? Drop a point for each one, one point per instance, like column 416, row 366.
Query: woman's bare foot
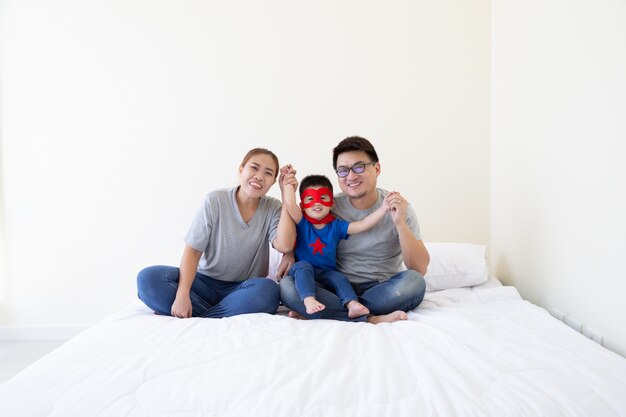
column 295, row 315
column 397, row 315
column 356, row 309
column 312, row 305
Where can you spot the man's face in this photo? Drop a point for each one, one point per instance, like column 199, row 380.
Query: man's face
column 357, row 185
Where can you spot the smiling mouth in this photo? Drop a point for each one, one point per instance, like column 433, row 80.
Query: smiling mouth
column 354, row 184
column 255, row 185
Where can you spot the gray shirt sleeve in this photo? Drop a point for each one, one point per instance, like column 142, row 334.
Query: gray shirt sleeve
column 411, row 220
column 275, row 208
column 199, row 232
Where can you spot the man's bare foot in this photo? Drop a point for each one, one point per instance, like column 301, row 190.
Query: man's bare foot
column 397, row 315
column 295, row 315
column 312, row 305
column 356, row 309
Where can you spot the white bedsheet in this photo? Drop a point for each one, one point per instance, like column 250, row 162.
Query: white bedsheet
column 463, row 352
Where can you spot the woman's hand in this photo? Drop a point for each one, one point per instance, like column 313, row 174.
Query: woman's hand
column 285, row 265
column 181, row 307
column 188, row 266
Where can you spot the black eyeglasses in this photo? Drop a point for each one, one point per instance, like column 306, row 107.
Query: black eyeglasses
column 359, row 168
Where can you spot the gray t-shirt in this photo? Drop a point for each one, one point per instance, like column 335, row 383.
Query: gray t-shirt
column 233, row 250
column 374, row 255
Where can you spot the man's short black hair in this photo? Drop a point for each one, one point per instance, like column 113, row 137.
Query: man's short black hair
column 315, row 181
column 354, row 143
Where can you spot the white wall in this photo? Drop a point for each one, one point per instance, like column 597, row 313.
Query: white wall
column 558, row 172
column 118, row 116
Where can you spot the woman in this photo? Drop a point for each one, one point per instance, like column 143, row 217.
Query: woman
column 226, row 251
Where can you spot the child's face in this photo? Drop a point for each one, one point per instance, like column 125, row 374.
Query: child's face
column 319, row 202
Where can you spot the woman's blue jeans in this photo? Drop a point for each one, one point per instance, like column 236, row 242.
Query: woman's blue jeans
column 157, row 286
column 306, row 276
column 403, row 291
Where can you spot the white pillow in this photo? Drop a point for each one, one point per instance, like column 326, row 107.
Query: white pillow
column 454, row 265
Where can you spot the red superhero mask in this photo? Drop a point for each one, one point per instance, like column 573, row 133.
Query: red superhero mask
column 316, row 197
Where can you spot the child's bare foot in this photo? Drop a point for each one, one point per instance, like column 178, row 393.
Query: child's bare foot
column 397, row 315
column 312, row 305
column 356, row 309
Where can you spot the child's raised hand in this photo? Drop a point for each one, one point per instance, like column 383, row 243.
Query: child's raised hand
column 287, row 176
column 397, row 206
column 387, row 200
column 285, row 169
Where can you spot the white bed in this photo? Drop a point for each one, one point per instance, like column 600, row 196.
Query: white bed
column 478, row 351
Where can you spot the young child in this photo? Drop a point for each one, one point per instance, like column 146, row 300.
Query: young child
column 318, row 234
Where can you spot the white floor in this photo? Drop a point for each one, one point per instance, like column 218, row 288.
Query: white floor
column 15, row 356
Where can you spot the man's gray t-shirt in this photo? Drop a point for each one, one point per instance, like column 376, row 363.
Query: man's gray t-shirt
column 374, row 255
column 233, row 250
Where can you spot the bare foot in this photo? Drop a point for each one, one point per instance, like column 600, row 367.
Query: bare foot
column 295, row 315
column 356, row 309
column 312, row 305
column 397, row 315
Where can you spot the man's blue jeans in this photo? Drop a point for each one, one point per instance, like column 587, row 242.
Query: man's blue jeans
column 403, row 291
column 306, row 276
column 157, row 285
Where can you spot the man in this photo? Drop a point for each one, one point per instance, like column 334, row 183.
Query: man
column 371, row 260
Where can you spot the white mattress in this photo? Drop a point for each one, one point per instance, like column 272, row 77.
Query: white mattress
column 463, row 352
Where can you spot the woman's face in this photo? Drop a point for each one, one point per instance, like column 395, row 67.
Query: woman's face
column 257, row 175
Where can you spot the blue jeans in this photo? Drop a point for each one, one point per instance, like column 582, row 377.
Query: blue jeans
column 306, row 276
column 403, row 291
column 157, row 285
